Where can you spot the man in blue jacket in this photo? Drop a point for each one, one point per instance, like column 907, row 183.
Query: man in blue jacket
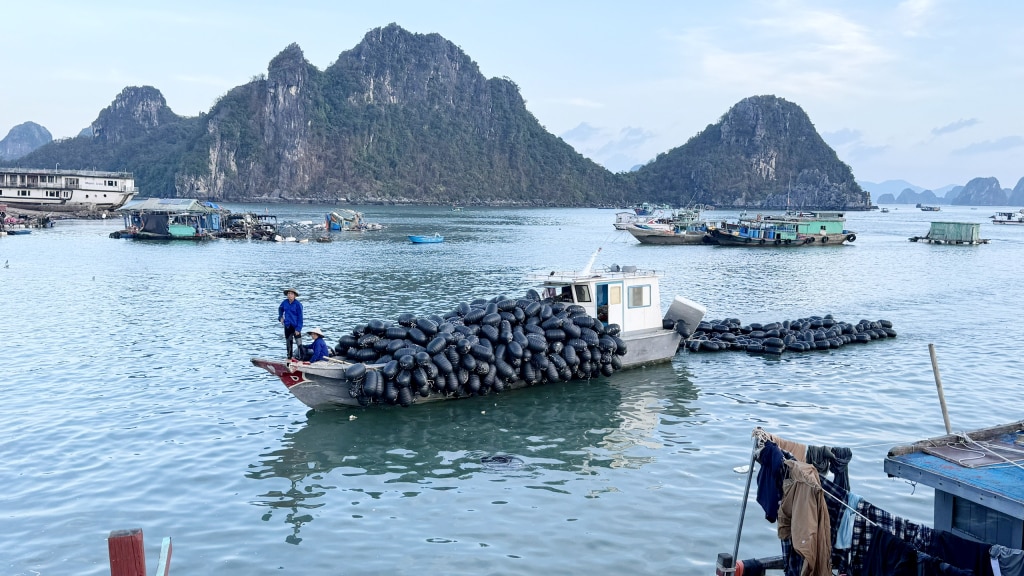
column 289, row 314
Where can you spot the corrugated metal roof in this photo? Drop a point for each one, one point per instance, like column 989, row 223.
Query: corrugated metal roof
column 167, row 205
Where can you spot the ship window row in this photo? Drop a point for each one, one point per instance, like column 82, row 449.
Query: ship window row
column 46, row 193
column 15, row 179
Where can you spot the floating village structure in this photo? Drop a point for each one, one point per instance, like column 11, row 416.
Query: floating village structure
column 952, row 233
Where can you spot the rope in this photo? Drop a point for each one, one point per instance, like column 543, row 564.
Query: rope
column 985, row 449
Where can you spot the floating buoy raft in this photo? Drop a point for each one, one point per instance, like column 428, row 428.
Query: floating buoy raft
column 803, row 335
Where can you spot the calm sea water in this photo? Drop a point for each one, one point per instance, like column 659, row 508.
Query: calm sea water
column 129, row 400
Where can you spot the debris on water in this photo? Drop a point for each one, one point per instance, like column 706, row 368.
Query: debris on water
column 502, row 462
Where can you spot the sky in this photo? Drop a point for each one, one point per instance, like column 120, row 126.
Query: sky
column 927, row 91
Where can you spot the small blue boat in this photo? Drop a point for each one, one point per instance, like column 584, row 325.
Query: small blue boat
column 426, row 239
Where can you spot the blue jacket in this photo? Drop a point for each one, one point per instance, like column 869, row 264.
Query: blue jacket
column 319, row 350
column 291, row 313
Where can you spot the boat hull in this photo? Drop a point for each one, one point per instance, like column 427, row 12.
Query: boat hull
column 426, row 239
column 726, row 239
column 666, row 237
column 322, row 385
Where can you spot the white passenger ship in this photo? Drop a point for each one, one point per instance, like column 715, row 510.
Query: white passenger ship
column 65, row 190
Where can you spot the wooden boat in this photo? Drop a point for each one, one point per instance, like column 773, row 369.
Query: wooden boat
column 790, row 230
column 926, row 208
column 1008, row 217
column 978, row 478
column 436, row 238
column 685, row 227
column 621, row 301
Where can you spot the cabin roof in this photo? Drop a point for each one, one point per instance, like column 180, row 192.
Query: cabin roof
column 168, row 205
column 615, row 272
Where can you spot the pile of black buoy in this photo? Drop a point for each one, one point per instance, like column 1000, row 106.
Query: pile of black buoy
column 481, row 347
column 803, row 335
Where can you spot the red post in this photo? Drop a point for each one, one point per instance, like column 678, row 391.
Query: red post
column 127, row 554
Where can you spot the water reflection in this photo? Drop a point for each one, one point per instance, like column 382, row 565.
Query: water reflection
column 540, row 438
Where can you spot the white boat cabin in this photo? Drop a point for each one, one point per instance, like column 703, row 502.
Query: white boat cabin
column 619, row 295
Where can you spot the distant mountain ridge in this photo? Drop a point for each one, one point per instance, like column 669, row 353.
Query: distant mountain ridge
column 409, row 118
column 977, row 192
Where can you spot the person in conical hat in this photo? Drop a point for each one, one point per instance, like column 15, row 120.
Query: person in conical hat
column 319, row 346
column 289, row 314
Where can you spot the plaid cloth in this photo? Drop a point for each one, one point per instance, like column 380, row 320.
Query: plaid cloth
column 862, row 533
column 792, row 563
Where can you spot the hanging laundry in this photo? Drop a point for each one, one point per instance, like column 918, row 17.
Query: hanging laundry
column 962, row 553
column 889, row 556
column 803, row 518
column 1009, row 561
column 769, row 480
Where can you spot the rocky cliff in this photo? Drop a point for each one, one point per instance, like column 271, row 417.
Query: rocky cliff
column 22, row 139
column 763, row 153
column 409, row 118
column 135, row 112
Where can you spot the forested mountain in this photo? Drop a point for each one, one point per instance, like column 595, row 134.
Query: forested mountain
column 22, row 139
column 764, row 152
column 406, row 117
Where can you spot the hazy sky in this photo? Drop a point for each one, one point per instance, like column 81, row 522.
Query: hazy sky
column 928, row 91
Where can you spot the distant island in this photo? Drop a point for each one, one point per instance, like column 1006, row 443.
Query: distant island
column 977, row 192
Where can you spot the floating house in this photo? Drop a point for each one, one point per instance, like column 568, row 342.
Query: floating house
column 952, row 233
column 169, row 219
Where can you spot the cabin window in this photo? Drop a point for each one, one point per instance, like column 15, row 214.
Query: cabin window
column 583, row 293
column 615, row 295
column 639, row 296
column 23, row 193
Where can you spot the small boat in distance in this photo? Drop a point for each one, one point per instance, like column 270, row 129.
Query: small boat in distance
column 926, row 208
column 1008, row 217
column 436, row 238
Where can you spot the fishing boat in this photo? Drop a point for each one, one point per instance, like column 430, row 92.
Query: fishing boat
column 170, row 219
column 65, row 190
column 573, row 324
column 1008, row 217
column 978, row 478
column 792, row 229
column 927, row 208
column 685, row 227
column 436, row 238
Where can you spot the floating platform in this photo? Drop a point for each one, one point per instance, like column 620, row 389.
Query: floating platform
column 961, row 233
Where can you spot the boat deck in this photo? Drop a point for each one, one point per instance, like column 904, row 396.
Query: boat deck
column 988, row 470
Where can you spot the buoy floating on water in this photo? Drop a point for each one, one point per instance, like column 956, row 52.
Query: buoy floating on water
column 803, row 335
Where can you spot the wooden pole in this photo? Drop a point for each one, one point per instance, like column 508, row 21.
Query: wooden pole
column 938, row 385
column 127, row 554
